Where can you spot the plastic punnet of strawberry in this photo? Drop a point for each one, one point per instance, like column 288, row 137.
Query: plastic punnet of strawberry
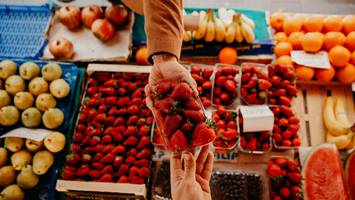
column 225, row 85
column 283, row 80
column 226, row 129
column 286, row 128
column 202, row 74
column 285, row 178
column 180, row 116
column 254, row 84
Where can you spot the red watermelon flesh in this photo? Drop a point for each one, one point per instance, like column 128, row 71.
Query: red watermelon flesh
column 350, row 174
column 322, row 174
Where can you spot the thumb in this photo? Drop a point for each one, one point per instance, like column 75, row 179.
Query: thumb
column 189, row 166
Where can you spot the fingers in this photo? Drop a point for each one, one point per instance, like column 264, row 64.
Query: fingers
column 189, row 166
column 175, row 165
column 205, row 186
column 200, row 162
column 208, row 166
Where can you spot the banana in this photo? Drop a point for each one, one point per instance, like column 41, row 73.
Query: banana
column 340, row 114
column 211, row 30
column 334, row 127
column 248, row 21
column 247, row 32
column 202, row 26
column 238, row 31
column 230, row 34
column 187, row 36
column 220, row 29
column 342, row 141
column 225, row 17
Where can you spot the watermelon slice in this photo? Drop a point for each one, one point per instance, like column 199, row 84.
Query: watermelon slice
column 322, row 173
column 350, row 174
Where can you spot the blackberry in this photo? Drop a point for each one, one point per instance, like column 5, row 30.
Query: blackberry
column 228, row 185
column 254, row 186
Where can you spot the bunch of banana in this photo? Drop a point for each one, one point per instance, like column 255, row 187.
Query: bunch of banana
column 187, row 35
column 337, row 123
column 202, row 26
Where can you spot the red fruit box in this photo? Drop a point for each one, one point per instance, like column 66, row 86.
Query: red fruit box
column 226, row 84
column 202, row 74
column 287, row 128
column 227, row 130
column 254, row 84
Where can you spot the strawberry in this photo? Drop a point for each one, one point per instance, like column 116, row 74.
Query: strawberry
column 296, row 142
column 117, row 137
column 97, row 165
column 186, row 127
column 149, row 120
column 75, row 148
column 293, row 120
column 163, row 88
column 108, row 158
column 72, row 158
column 92, row 90
column 130, row 160
column 207, row 73
column 86, row 158
column 252, row 144
column 144, row 172
column 137, row 180
column 100, row 118
column 109, row 121
column 107, row 170
column 108, row 148
column 195, row 69
column 264, row 84
column 281, row 162
column 137, row 94
column 275, row 80
column 94, row 174
column 136, row 101
column 106, row 178
column 144, row 130
column 103, row 76
column 122, row 170
column 132, row 120
column 277, row 137
column 142, row 163
column 98, row 157
column 224, row 97
column 293, row 128
column 131, row 141
column 286, row 110
column 165, row 104
column 230, row 85
column 117, row 161
column 285, row 101
column 232, row 125
column 178, row 141
column 228, row 70
column 265, row 146
column 143, row 142
column 132, row 152
column 202, row 135
column 131, row 130
column 144, row 153
column 121, row 91
column 230, row 134
column 207, row 85
column 107, row 139
column 123, row 179
column 123, row 101
column 132, row 172
column 286, row 134
column 195, row 116
column 120, row 149
column 295, row 177
column 192, row 104
column 92, row 81
column 83, row 170
column 111, row 100
column 171, row 124
column 109, row 91
column 119, row 121
column 68, row 173
column 283, row 122
column 133, row 110
column 285, row 192
column 273, row 170
column 286, row 143
column 205, row 102
column 182, row 91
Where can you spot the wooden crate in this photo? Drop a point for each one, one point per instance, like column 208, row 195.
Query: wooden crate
column 309, row 106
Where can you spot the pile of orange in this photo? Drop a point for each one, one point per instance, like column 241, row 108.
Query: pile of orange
column 313, row 33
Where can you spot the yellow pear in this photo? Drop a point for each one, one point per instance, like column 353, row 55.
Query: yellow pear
column 59, row 88
column 3, row 156
column 23, row 100
column 20, row 159
column 26, row 179
column 51, row 71
column 31, row 117
column 29, row 70
column 14, row 84
column 14, row 144
column 5, row 98
column 38, row 86
column 12, row 192
column 9, row 115
column 55, row 142
column 33, row 145
column 53, row 118
column 7, row 68
column 7, row 175
column 42, row 161
column 45, row 101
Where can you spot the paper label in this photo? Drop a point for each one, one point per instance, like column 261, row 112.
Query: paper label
column 34, row 134
column 315, row 60
column 257, row 118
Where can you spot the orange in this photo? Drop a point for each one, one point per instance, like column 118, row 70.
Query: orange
column 228, row 55
column 280, row 37
column 304, row 73
column 312, row 42
column 339, row 56
column 350, row 41
column 295, row 39
column 276, row 20
column 313, row 23
column 282, row 48
column 284, row 60
column 331, row 39
column 348, row 24
column 292, row 24
column 142, row 56
column 346, row 74
column 333, row 23
column 353, row 57
column 325, row 75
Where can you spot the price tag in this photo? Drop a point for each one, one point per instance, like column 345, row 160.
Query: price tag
column 34, row 134
column 257, row 118
column 315, row 60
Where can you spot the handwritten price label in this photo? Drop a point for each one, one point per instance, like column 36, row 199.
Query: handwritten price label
column 34, row 134
column 315, row 60
column 257, row 118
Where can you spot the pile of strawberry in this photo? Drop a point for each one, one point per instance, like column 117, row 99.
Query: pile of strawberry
column 255, row 85
column 111, row 142
column 202, row 77
column 286, row 127
column 285, row 179
column 179, row 116
column 283, row 80
column 225, row 89
column 226, row 128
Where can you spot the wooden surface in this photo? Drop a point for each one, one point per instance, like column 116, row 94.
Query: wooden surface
column 309, row 107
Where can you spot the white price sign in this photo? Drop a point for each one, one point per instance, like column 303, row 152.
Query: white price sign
column 315, row 60
column 257, row 118
column 34, row 134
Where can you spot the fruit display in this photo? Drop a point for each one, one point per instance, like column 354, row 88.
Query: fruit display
column 350, row 174
column 254, row 84
column 226, row 128
column 22, row 166
column 334, row 34
column 111, row 142
column 322, row 173
column 202, row 75
column 286, row 128
column 285, row 177
column 225, row 85
column 31, row 97
column 180, row 116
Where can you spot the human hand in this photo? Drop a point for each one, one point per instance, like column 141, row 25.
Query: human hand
column 190, row 179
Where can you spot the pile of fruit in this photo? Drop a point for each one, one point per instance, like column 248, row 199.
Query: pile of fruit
column 228, row 27
column 111, row 142
column 23, row 161
column 225, row 88
column 38, row 104
column 286, row 179
column 101, row 23
column 226, row 128
column 313, row 33
column 180, row 116
column 202, row 76
column 254, row 84
column 286, row 127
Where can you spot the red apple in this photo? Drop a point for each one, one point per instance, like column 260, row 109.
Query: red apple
column 61, row 48
column 91, row 13
column 103, row 29
column 117, row 14
column 70, row 16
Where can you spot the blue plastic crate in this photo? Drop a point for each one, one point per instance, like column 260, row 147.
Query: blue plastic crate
column 22, row 30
